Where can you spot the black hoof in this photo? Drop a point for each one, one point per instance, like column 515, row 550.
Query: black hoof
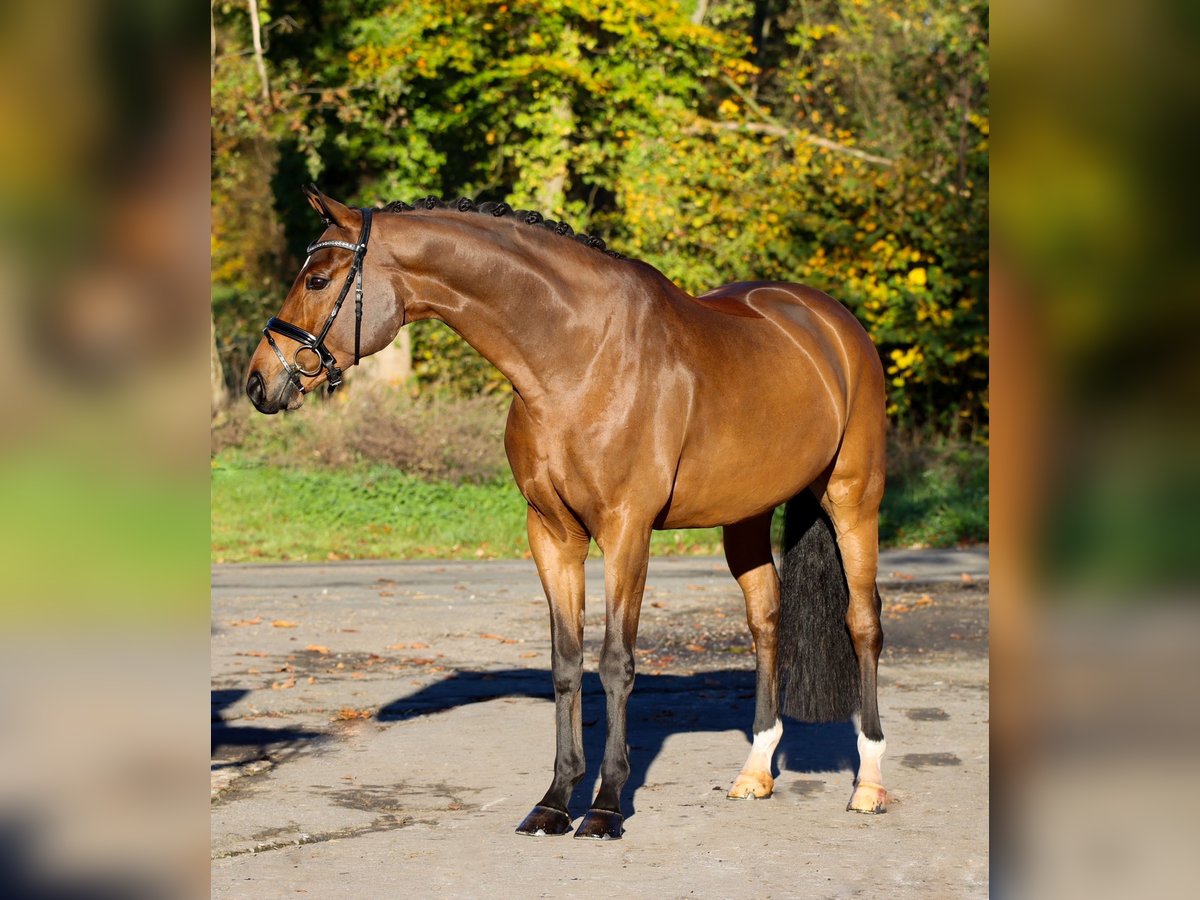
column 543, row 821
column 601, row 825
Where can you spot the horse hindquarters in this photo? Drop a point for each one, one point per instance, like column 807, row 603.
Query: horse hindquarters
column 829, row 632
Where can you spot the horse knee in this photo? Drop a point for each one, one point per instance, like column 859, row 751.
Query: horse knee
column 617, row 670
column 566, row 683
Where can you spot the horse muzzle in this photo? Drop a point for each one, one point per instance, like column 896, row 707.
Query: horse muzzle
column 285, row 396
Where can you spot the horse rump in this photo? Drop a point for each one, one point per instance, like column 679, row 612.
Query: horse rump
column 817, row 666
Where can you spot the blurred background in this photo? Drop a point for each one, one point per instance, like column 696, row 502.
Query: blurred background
column 844, row 144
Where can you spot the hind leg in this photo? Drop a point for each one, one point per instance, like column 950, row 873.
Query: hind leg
column 853, row 505
column 748, row 552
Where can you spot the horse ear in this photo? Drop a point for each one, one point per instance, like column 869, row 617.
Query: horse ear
column 330, row 211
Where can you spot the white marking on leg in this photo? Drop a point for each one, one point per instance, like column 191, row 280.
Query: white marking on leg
column 763, row 750
column 870, row 759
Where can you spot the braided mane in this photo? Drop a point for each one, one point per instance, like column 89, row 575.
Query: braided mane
column 490, row 208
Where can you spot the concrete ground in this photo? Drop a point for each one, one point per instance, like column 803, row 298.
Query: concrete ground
column 380, row 728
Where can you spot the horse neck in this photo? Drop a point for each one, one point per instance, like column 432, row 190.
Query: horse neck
column 525, row 305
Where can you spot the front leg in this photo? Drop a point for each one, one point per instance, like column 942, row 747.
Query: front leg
column 626, row 555
column 560, row 556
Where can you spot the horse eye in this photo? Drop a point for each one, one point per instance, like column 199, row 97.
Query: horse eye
column 316, row 282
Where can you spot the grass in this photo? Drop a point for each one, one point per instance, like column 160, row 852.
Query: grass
column 263, row 511
column 937, row 495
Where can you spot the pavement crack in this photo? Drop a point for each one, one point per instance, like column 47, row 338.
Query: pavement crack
column 376, row 826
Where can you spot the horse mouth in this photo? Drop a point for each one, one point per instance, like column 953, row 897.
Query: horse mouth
column 289, row 398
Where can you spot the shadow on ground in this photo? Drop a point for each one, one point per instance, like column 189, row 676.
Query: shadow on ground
column 233, row 745
column 661, row 705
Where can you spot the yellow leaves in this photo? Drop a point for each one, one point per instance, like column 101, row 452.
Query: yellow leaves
column 905, row 359
column 728, row 108
column 916, row 277
column 490, row 137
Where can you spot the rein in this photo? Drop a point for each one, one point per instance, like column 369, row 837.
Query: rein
column 315, row 343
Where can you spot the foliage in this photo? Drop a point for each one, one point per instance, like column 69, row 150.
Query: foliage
column 937, row 494
column 842, row 143
column 455, row 440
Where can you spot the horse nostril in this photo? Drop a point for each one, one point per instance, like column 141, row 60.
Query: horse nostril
column 256, row 390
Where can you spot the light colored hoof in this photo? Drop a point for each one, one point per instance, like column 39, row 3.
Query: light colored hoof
column 868, row 798
column 752, row 786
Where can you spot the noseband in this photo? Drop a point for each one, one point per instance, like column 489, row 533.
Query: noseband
column 315, row 343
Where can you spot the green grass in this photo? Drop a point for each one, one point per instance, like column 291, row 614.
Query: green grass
column 263, row 513
column 937, row 496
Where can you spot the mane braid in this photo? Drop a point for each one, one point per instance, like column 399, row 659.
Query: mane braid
column 492, row 208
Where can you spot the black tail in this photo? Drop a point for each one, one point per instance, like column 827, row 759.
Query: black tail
column 818, row 670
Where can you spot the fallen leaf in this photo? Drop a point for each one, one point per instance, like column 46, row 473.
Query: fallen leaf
column 317, row 648
column 696, row 648
column 529, row 654
column 283, row 623
column 346, row 713
column 251, row 653
column 657, row 604
column 312, row 679
column 417, row 645
column 396, row 647
column 967, row 577
column 254, row 671
column 386, row 594
column 357, row 676
column 238, row 624
column 283, row 685
column 923, row 600
column 509, row 641
column 903, row 576
column 491, row 637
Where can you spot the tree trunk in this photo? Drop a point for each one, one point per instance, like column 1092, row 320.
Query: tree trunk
column 216, row 373
column 256, row 32
column 551, row 195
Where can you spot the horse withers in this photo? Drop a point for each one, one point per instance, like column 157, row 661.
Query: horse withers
column 636, row 407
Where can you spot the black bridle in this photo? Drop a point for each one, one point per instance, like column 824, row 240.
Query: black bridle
column 315, row 343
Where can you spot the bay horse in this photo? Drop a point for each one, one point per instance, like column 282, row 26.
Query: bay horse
column 636, row 407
